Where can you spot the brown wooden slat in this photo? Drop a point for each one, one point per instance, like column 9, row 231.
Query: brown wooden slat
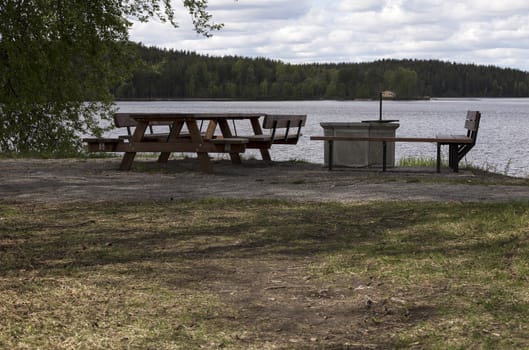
column 170, row 117
column 125, row 120
column 122, row 120
column 229, row 140
column 282, row 121
column 207, row 147
column 102, row 144
column 101, row 139
column 472, row 121
column 392, row 139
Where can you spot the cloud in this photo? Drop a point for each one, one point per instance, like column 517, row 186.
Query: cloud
column 478, row 31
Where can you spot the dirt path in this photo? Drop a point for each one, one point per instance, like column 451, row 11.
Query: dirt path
column 99, row 180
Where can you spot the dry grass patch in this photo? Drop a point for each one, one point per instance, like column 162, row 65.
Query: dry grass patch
column 264, row 274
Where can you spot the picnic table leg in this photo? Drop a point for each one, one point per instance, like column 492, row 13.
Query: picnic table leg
column 226, row 132
column 265, row 154
column 173, row 134
column 128, row 157
column 203, row 157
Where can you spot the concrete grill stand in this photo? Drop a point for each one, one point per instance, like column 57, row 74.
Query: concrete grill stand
column 361, row 153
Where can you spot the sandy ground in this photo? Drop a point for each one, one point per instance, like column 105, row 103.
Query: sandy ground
column 72, row 180
column 269, row 288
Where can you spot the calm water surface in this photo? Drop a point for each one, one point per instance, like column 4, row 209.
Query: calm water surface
column 502, row 139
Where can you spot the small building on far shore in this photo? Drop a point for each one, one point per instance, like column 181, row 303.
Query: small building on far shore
column 388, row 94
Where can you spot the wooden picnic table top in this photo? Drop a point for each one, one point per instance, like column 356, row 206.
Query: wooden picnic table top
column 190, row 116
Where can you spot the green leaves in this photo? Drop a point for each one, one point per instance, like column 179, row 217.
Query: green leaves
column 60, row 60
column 201, row 18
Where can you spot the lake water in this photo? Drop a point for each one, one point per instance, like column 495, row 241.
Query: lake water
column 501, row 145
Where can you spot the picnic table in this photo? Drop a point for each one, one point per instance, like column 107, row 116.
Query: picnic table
column 197, row 139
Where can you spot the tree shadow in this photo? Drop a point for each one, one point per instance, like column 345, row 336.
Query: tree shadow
column 235, row 248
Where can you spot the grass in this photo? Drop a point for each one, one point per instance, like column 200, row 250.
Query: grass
column 253, row 274
column 418, row 162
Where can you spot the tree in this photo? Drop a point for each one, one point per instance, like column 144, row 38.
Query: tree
column 402, row 81
column 60, row 59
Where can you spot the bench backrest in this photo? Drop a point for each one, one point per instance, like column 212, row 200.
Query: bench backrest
column 291, row 123
column 472, row 124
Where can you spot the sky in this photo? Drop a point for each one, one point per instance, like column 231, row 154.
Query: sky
column 487, row 32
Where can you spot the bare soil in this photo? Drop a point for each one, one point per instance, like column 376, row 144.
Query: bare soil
column 74, row 180
column 278, row 304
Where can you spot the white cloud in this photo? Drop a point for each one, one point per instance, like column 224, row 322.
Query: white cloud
column 479, row 31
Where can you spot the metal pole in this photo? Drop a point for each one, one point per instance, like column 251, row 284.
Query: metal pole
column 384, row 155
column 380, row 108
column 331, row 155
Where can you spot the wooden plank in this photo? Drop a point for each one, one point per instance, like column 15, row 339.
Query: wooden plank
column 188, row 147
column 472, row 121
column 196, row 138
column 122, row 120
column 210, row 131
column 283, row 121
column 102, row 144
column 226, row 134
column 230, row 140
column 258, row 132
column 128, row 157
column 153, row 118
column 392, row 139
column 174, row 134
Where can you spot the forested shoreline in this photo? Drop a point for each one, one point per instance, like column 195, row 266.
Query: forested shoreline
column 171, row 74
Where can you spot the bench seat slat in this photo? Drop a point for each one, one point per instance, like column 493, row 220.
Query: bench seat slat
column 102, row 144
column 230, row 140
column 101, row 139
column 394, row 139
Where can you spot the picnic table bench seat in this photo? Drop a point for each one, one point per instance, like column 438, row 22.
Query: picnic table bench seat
column 102, row 144
column 230, row 142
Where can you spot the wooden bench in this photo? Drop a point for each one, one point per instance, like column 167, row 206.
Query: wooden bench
column 459, row 145
column 230, row 142
column 105, row 144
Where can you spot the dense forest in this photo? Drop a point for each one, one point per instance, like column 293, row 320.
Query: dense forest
column 169, row 74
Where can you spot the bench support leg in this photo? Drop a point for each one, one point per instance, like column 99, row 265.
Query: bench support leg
column 454, row 159
column 126, row 162
column 331, row 154
column 438, row 165
column 226, row 132
column 384, row 154
column 265, row 155
column 176, row 128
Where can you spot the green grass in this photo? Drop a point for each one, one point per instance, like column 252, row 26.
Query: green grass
column 200, row 274
column 418, row 162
